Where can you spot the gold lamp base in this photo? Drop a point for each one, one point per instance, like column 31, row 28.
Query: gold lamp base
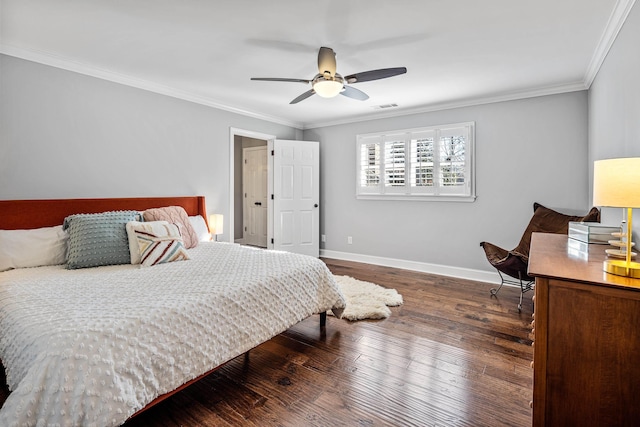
column 622, row 268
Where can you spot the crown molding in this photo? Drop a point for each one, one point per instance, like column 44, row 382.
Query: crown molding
column 87, row 70
column 614, row 25
column 509, row 96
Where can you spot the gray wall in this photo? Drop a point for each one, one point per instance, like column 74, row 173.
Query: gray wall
column 530, row 150
column 614, row 107
column 67, row 135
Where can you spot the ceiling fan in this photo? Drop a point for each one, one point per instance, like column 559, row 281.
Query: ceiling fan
column 327, row 83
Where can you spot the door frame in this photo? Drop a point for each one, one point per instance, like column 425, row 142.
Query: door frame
column 233, row 132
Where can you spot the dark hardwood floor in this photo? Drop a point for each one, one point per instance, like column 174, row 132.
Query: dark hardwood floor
column 450, row 356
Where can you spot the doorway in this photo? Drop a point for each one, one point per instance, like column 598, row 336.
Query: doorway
column 240, row 141
column 292, row 192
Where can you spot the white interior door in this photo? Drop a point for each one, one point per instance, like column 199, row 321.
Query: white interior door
column 295, row 187
column 254, row 188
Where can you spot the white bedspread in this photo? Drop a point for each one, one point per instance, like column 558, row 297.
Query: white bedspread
column 93, row 346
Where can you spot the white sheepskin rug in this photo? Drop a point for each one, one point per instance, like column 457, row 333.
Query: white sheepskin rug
column 366, row 300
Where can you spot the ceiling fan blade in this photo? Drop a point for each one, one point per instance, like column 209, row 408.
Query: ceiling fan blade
column 274, row 79
column 327, row 61
column 367, row 76
column 352, row 92
column 303, row 96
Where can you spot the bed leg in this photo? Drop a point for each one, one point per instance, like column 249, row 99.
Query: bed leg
column 323, row 319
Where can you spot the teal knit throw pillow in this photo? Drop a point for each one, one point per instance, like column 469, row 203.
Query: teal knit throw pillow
column 98, row 239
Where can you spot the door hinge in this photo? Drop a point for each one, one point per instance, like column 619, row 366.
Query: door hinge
column 273, row 153
column 272, row 197
column 245, row 229
column 245, row 161
column 272, row 241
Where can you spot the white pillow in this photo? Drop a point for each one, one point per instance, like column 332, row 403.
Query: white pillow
column 198, row 224
column 32, row 248
column 134, row 248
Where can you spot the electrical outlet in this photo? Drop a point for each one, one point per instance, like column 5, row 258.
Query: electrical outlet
column 349, row 240
column 323, row 238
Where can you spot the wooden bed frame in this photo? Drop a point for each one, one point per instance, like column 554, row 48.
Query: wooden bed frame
column 29, row 214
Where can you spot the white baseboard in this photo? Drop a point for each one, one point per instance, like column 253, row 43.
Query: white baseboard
column 442, row 270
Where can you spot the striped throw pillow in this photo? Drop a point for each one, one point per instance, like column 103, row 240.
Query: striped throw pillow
column 160, row 242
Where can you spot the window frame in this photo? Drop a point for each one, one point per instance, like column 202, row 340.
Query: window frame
column 381, row 190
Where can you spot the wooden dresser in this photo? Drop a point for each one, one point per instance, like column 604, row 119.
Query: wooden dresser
column 586, row 337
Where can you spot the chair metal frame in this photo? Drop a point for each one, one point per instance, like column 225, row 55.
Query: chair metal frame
column 525, row 286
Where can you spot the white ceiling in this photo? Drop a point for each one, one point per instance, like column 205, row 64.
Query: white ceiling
column 457, row 52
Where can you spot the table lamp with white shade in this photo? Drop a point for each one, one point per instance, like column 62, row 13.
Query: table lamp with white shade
column 616, row 183
column 216, row 225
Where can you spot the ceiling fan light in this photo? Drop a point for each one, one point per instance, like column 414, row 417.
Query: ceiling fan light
column 327, row 88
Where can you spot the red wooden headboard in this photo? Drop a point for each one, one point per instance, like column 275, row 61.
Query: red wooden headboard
column 26, row 214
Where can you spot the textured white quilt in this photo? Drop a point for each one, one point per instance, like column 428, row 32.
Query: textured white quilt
column 93, row 346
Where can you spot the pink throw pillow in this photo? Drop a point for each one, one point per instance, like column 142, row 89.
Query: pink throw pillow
column 175, row 215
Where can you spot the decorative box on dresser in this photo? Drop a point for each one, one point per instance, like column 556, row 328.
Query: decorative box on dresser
column 586, row 331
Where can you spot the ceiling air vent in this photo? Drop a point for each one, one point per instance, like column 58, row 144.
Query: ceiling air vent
column 383, row 106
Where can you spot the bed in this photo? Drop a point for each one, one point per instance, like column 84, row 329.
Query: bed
column 96, row 346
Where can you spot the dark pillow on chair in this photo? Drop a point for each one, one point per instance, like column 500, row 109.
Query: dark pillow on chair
column 547, row 220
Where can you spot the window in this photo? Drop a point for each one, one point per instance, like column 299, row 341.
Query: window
column 433, row 163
